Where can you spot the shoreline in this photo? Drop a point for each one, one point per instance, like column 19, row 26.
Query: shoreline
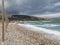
column 38, row 21
column 37, row 29
column 31, row 21
column 19, row 35
column 41, row 33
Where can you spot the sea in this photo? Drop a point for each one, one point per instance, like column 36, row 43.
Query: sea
column 49, row 27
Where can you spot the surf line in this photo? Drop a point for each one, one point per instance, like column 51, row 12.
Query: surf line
column 34, row 28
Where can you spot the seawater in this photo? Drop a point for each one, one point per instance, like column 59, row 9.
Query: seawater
column 47, row 25
column 52, row 28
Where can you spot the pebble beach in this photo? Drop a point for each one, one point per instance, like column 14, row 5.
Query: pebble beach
column 18, row 35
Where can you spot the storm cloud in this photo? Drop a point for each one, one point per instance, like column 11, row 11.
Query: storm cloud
column 31, row 6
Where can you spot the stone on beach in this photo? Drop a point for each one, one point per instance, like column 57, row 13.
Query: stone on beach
column 17, row 35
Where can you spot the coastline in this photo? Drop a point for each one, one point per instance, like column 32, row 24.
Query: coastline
column 51, row 33
column 34, row 21
column 40, row 38
column 19, row 35
column 38, row 21
column 38, row 29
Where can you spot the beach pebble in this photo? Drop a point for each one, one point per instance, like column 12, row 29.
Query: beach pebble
column 17, row 35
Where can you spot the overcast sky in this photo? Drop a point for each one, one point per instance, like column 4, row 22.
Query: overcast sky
column 32, row 7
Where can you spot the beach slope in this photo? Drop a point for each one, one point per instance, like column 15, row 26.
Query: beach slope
column 19, row 35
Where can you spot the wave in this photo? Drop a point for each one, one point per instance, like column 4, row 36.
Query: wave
column 34, row 28
column 44, row 25
column 48, row 25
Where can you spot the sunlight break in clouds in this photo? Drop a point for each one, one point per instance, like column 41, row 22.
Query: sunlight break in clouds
column 52, row 15
column 57, row 4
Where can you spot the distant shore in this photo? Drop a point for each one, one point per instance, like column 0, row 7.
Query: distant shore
column 35, row 21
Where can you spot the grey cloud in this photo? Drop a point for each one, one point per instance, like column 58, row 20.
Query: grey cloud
column 30, row 6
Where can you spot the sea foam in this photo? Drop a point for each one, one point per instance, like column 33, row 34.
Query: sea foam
column 34, row 28
column 49, row 25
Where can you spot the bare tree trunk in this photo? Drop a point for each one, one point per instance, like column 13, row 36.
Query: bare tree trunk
column 3, row 13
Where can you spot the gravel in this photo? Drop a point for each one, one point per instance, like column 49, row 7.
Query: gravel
column 17, row 35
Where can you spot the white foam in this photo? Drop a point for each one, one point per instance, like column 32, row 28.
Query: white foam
column 49, row 25
column 38, row 29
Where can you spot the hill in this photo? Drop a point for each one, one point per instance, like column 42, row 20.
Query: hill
column 25, row 18
column 29, row 18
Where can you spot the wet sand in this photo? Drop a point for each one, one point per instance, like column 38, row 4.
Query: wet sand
column 18, row 35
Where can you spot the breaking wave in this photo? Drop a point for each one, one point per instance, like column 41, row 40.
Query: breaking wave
column 34, row 28
column 49, row 25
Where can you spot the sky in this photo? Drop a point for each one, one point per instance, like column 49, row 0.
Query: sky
column 32, row 7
